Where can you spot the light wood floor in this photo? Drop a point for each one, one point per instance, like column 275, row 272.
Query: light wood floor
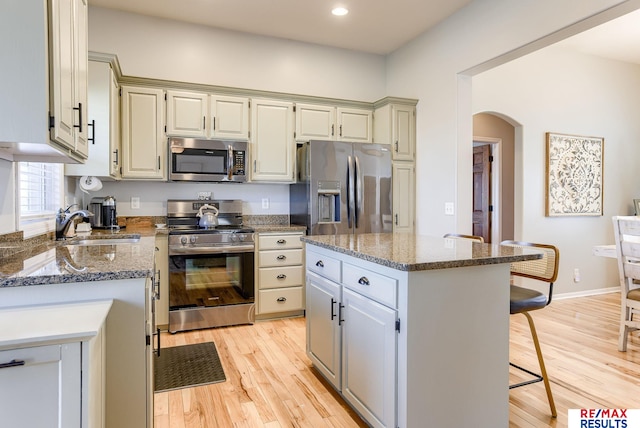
column 270, row 382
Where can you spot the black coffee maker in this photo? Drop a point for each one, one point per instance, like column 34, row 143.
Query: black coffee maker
column 104, row 213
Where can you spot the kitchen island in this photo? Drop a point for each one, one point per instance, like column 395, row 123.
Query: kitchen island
column 413, row 331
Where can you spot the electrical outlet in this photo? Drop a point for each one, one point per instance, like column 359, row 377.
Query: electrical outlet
column 448, row 208
column 135, row 202
column 265, row 203
column 576, row 275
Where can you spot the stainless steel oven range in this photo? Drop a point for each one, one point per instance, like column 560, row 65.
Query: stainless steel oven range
column 211, row 270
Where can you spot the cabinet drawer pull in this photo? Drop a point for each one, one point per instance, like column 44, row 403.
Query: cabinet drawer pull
column 12, row 363
column 281, row 257
column 281, row 276
column 281, row 241
column 319, row 263
column 333, row 314
column 364, row 281
column 281, row 299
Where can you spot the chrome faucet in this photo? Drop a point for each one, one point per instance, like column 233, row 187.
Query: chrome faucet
column 64, row 218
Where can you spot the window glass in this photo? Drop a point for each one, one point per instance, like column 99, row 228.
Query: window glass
column 40, row 188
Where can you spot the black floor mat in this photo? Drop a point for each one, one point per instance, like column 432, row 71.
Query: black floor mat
column 185, row 366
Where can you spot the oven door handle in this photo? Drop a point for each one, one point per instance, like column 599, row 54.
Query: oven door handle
column 211, row 250
column 230, row 162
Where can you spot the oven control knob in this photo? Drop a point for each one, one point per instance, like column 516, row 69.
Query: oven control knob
column 193, row 239
column 234, row 238
column 242, row 237
column 183, row 240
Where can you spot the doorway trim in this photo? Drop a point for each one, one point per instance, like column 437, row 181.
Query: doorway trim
column 496, row 184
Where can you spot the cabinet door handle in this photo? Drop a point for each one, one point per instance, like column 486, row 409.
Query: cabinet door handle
column 116, row 159
column 158, row 163
column 340, row 320
column 158, row 334
column 12, row 363
column 281, row 276
column 396, row 219
column 281, row 299
column 214, row 123
column 281, row 257
column 157, row 285
column 93, row 131
column 332, row 130
column 79, row 108
column 333, row 314
column 396, row 146
column 204, row 122
column 319, row 263
column 341, row 130
column 281, row 241
column 364, row 281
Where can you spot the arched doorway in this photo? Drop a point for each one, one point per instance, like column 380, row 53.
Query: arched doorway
column 493, row 177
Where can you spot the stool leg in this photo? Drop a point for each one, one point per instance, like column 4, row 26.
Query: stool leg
column 543, row 370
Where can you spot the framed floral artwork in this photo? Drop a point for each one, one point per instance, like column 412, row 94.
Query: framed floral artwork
column 574, row 175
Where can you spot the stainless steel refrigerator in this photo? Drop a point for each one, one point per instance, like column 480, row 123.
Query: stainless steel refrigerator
column 342, row 188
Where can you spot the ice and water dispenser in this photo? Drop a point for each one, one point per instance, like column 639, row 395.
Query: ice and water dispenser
column 328, row 195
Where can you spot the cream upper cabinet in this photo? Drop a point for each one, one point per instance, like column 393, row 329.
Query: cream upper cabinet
column 186, row 114
column 200, row 115
column 104, row 114
column 68, row 63
column 315, row 122
column 354, row 125
column 144, row 145
column 403, row 196
column 229, row 117
column 272, row 145
column 395, row 124
column 44, row 90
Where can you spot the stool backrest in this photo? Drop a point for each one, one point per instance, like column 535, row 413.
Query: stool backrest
column 627, row 235
column 469, row 237
column 544, row 269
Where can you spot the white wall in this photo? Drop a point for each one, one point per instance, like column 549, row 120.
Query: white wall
column 430, row 68
column 171, row 50
column 555, row 90
column 153, row 196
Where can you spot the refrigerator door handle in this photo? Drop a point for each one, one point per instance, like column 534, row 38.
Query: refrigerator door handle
column 358, row 192
column 350, row 191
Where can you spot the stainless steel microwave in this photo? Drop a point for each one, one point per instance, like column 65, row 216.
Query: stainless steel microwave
column 192, row 159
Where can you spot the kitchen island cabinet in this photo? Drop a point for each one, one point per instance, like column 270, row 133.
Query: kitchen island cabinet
column 411, row 329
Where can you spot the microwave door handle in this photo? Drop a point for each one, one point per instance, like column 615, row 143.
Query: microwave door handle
column 229, row 162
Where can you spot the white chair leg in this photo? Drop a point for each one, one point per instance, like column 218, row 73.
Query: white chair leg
column 624, row 329
column 543, row 370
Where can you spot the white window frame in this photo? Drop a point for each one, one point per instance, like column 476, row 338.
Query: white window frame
column 50, row 190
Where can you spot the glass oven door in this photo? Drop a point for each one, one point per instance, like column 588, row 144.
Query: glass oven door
column 210, row 280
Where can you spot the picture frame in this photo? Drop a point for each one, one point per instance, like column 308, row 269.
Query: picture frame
column 636, row 207
column 574, row 175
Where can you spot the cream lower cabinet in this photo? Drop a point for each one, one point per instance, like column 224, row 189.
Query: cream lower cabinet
column 144, row 146
column 280, row 276
column 162, row 275
column 45, row 391
column 351, row 334
column 403, row 196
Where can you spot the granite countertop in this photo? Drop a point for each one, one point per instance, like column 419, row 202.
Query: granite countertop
column 410, row 252
column 55, row 262
column 265, row 228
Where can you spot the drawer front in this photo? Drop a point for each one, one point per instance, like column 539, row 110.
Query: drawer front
column 280, row 258
column 278, row 277
column 276, row 242
column 324, row 265
column 380, row 288
column 280, row 300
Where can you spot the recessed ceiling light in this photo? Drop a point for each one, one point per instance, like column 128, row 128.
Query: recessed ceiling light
column 340, row 11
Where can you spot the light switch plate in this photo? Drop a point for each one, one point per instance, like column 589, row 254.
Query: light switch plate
column 135, row 202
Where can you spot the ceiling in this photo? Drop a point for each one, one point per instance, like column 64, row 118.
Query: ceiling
column 373, row 26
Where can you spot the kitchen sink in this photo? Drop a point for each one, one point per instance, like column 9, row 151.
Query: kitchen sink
column 106, row 241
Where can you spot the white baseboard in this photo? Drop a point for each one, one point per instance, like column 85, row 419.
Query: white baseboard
column 585, row 293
